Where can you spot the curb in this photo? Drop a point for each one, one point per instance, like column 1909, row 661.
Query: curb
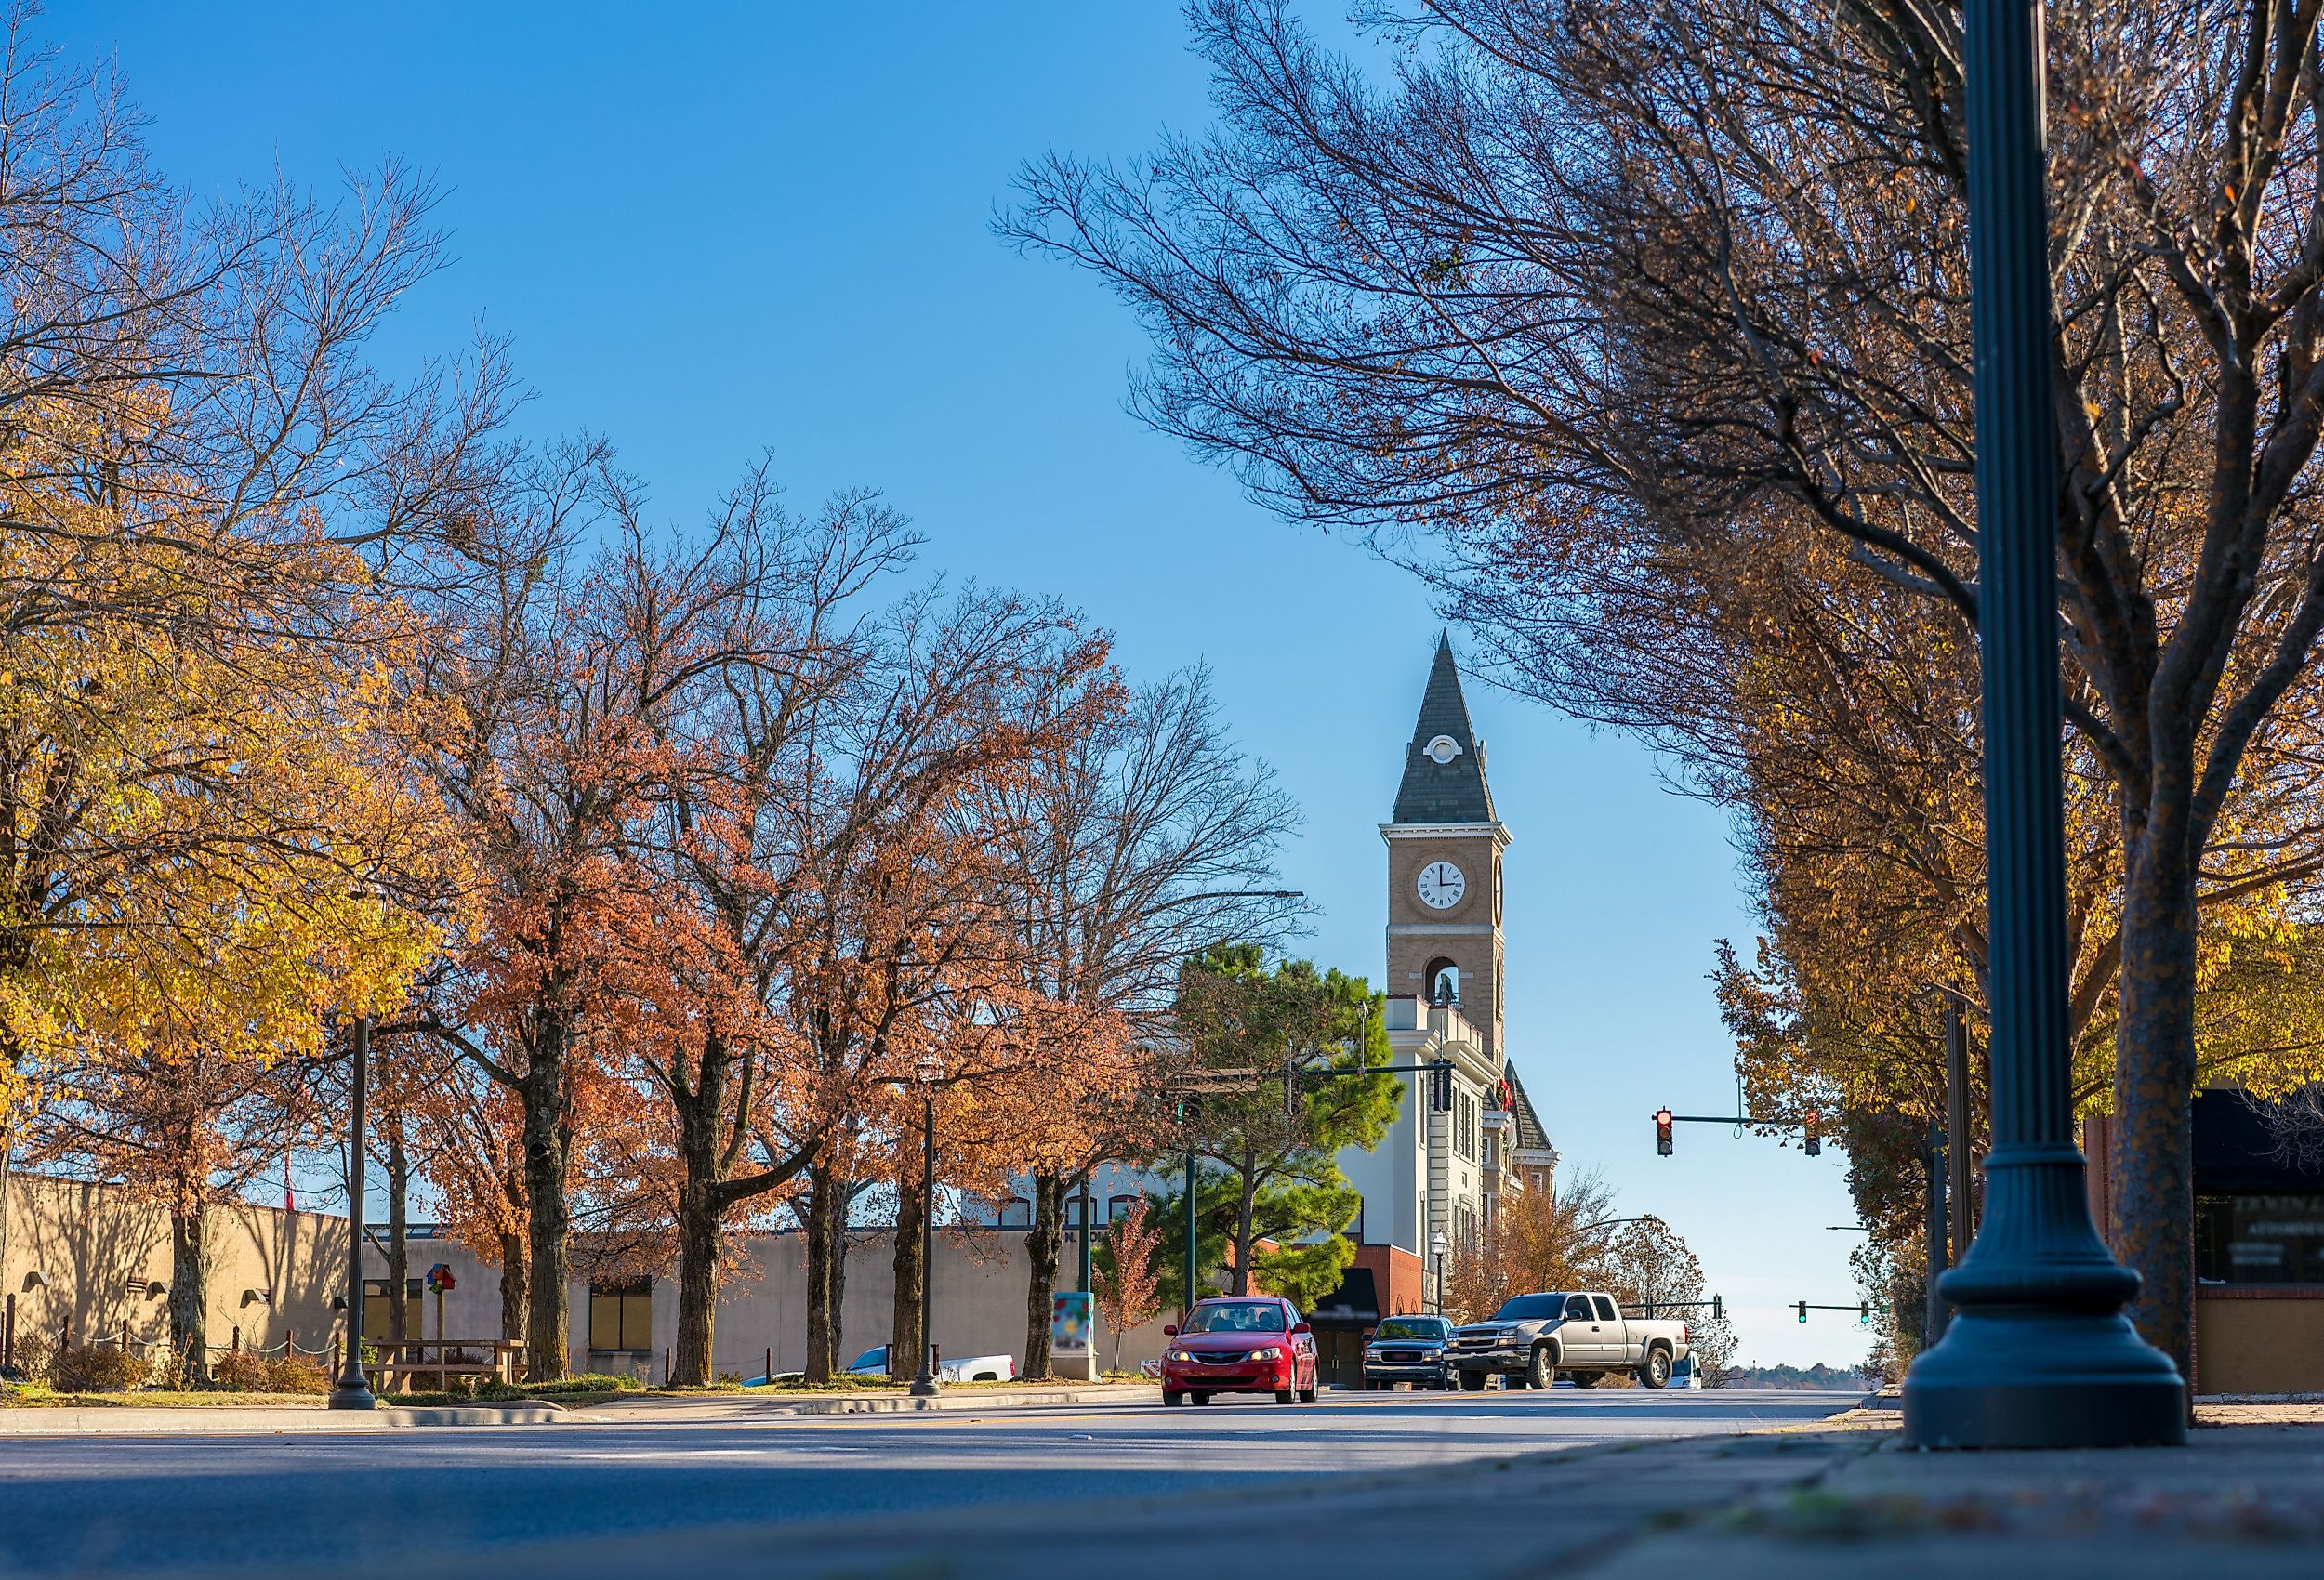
column 733, row 1407
column 129, row 1421
column 888, row 1404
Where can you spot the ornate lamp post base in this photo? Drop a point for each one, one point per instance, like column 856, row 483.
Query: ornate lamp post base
column 2043, row 1379
column 2037, row 1355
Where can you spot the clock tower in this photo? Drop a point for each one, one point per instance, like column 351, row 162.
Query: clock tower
column 1444, row 849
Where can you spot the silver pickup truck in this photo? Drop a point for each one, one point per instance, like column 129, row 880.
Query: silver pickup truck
column 1534, row 1338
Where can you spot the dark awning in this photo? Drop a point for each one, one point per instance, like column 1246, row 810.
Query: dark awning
column 1355, row 1301
column 2234, row 1151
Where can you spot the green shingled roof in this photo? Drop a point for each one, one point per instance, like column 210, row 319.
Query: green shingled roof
column 1452, row 792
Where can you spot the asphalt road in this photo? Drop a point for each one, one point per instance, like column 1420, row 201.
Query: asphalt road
column 164, row 1505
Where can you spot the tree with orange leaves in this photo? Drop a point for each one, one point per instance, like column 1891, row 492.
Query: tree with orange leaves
column 1125, row 850
column 566, row 669
column 890, row 880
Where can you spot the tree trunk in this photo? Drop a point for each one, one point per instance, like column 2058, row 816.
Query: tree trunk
column 906, row 1343
column 189, row 1288
column 1043, row 1246
column 2152, row 1193
column 549, row 1264
column 512, row 1287
column 700, row 1241
column 1246, row 1209
column 826, row 1270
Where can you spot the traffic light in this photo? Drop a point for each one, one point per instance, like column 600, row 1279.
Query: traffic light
column 1718, row 1310
column 1662, row 1132
column 1814, row 1142
column 1803, row 1311
column 1440, row 1087
column 1864, row 1313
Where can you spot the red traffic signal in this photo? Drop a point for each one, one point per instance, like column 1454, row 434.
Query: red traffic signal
column 1662, row 1132
column 1814, row 1142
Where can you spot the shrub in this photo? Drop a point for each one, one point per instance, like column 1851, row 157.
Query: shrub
column 244, row 1371
column 297, row 1373
column 32, row 1357
column 588, row 1382
column 97, row 1368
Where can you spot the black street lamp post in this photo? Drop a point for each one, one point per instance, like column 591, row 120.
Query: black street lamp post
column 2037, row 1355
column 353, row 1390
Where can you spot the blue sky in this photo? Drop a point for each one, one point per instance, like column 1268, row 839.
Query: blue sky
column 713, row 229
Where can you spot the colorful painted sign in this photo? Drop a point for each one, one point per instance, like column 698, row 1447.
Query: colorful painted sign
column 440, row 1277
column 1072, row 1323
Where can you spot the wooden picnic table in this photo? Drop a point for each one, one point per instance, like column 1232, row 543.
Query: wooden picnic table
column 445, row 1359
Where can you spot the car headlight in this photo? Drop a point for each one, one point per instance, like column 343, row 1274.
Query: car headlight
column 1269, row 1354
column 1179, row 1355
column 1372, row 1352
column 1435, row 1353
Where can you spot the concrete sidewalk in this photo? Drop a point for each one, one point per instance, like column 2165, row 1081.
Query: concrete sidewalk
column 2238, row 1500
column 2244, row 1500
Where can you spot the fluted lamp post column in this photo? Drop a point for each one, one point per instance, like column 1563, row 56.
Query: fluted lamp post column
column 353, row 1390
column 2037, row 1355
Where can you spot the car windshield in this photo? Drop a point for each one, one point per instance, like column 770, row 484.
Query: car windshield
column 872, row 1360
column 1531, row 1309
column 1235, row 1316
column 1410, row 1328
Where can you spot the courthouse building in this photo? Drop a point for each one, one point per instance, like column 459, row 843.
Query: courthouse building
column 1437, row 1178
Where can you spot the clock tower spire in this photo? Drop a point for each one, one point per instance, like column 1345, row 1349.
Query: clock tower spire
column 1445, row 844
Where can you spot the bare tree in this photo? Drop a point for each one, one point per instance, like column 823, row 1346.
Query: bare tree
column 1587, row 286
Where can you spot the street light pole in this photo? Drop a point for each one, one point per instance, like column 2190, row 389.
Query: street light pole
column 1088, row 1233
column 924, row 1386
column 353, row 1390
column 2037, row 1355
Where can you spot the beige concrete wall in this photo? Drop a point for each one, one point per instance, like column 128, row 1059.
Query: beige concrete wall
column 978, row 1297
column 99, row 1248
column 2270, row 1344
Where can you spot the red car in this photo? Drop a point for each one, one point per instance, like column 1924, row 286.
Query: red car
column 1241, row 1344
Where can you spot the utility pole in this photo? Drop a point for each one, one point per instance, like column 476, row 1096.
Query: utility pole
column 1188, row 1304
column 2039, row 1353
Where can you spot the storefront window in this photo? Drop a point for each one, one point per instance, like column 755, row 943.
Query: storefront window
column 2259, row 1239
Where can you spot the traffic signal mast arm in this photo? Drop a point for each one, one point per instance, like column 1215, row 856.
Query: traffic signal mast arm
column 1812, row 1122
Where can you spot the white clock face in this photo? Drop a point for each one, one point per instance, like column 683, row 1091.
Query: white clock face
column 1442, row 885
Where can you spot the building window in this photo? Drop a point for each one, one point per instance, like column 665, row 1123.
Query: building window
column 1488, row 1149
column 1016, row 1212
column 621, row 1313
column 1443, row 982
column 375, row 1312
column 2253, row 1239
column 1117, row 1208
